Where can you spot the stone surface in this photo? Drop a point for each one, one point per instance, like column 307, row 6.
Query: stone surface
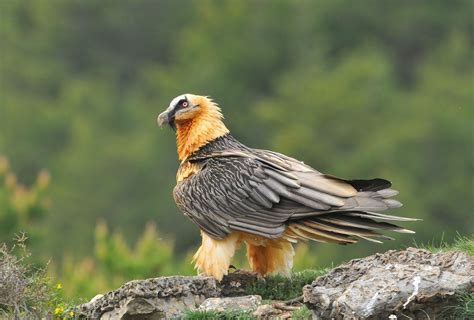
column 277, row 310
column 411, row 283
column 244, row 303
column 158, row 298
column 266, row 312
column 235, row 283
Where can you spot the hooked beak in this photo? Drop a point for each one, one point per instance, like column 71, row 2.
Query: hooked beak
column 163, row 118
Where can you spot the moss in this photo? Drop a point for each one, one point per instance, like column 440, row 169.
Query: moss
column 215, row 315
column 276, row 287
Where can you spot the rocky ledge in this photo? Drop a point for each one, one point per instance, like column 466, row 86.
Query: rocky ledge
column 397, row 284
column 158, row 298
column 409, row 284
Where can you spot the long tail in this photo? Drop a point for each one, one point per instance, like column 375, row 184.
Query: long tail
column 358, row 219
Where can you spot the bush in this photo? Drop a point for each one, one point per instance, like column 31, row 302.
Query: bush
column 25, row 291
column 22, row 208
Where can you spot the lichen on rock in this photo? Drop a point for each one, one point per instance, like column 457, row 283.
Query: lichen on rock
column 412, row 283
column 157, row 298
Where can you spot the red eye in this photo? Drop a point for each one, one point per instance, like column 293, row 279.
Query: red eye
column 185, row 104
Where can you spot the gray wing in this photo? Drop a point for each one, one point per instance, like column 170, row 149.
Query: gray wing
column 260, row 192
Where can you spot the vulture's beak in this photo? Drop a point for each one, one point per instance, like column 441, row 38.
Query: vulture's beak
column 163, row 118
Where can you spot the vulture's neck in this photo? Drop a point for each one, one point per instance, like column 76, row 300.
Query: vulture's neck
column 194, row 133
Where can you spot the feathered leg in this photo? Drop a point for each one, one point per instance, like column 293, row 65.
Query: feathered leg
column 213, row 257
column 275, row 256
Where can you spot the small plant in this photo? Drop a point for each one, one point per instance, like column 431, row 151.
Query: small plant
column 277, row 287
column 461, row 243
column 466, row 306
column 302, row 313
column 22, row 207
column 464, row 309
column 25, row 291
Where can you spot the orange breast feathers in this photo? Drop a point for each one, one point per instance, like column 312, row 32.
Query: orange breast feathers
column 198, row 128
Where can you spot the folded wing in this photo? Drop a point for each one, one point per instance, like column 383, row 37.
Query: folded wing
column 272, row 195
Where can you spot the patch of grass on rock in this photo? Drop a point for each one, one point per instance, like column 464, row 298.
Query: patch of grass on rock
column 461, row 243
column 302, row 313
column 277, row 287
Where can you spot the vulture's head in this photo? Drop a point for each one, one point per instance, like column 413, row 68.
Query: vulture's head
column 188, row 108
column 197, row 121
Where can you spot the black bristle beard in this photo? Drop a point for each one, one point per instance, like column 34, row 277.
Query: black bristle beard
column 173, row 125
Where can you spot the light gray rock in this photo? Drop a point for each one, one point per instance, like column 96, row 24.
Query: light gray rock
column 266, row 312
column 411, row 283
column 278, row 310
column 158, row 298
column 245, row 303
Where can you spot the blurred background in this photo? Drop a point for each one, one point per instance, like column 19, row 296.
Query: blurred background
column 357, row 90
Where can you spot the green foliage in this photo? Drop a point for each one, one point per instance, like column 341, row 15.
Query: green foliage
column 276, row 287
column 465, row 308
column 302, row 313
column 22, row 209
column 462, row 243
column 26, row 291
column 374, row 89
column 225, row 315
column 114, row 262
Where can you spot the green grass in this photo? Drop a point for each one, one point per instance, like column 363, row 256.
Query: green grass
column 273, row 287
column 461, row 243
column 215, row 315
column 276, row 287
column 466, row 306
column 302, row 313
column 463, row 310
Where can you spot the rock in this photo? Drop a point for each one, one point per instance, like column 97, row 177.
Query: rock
column 411, row 283
column 277, row 310
column 245, row 303
column 158, row 298
column 236, row 283
column 266, row 311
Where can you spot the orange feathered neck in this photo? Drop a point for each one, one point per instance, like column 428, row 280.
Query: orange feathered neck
column 205, row 126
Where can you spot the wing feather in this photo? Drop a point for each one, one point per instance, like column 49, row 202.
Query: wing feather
column 272, row 195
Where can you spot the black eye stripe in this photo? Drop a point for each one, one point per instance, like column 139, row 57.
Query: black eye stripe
column 181, row 102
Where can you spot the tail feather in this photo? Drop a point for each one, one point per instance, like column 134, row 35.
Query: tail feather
column 380, row 216
column 301, row 232
column 370, row 185
column 370, row 239
column 387, row 193
column 353, row 215
column 345, row 227
column 339, row 229
column 364, row 223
